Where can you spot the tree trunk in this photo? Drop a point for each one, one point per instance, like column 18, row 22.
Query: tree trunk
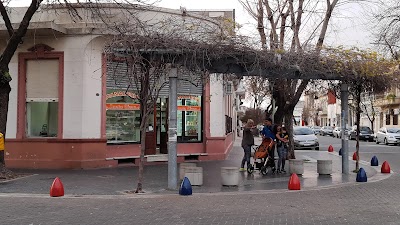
column 143, row 125
column 289, row 129
column 5, row 90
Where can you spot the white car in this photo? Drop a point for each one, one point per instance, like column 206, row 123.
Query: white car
column 336, row 132
column 388, row 136
column 304, row 137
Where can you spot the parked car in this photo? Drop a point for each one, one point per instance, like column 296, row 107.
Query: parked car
column 304, row 138
column 326, row 130
column 365, row 133
column 388, row 136
column 337, row 132
column 316, row 129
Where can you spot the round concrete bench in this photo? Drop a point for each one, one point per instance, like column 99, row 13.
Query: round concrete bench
column 182, row 168
column 230, row 176
column 195, row 175
column 324, row 167
column 296, row 166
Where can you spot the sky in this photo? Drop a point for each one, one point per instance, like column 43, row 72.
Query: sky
column 348, row 27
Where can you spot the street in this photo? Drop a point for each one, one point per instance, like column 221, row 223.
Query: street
column 388, row 153
column 355, row 203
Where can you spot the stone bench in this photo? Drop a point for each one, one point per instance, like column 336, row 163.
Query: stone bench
column 296, row 166
column 324, row 167
column 195, row 175
column 230, row 176
column 182, row 168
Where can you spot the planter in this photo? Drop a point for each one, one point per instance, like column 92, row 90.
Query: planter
column 296, row 166
column 182, row 168
column 324, row 167
column 195, row 175
column 230, row 176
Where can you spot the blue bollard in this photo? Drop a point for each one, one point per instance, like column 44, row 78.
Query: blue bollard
column 361, row 175
column 340, row 151
column 374, row 161
column 186, row 187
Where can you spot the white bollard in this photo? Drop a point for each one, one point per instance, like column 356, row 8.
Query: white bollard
column 296, row 166
column 324, row 167
column 182, row 168
column 195, row 175
column 230, row 176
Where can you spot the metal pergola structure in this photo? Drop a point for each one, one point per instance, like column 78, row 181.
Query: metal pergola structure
column 246, row 62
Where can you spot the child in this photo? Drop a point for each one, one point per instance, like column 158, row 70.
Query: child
column 283, row 139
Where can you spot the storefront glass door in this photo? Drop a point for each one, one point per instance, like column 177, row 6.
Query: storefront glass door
column 162, row 124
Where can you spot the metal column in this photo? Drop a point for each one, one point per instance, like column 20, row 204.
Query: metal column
column 344, row 95
column 172, row 130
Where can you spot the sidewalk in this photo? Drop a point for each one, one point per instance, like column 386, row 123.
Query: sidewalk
column 115, row 181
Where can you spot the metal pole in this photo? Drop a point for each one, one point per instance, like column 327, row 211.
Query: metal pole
column 344, row 93
column 172, row 130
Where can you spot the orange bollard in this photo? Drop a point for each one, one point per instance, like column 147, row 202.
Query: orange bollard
column 294, row 182
column 57, row 188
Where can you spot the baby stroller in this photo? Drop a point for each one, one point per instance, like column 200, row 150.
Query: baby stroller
column 263, row 158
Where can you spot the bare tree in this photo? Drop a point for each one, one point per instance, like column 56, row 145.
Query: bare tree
column 286, row 36
column 255, row 114
column 15, row 37
column 147, row 75
column 258, row 89
column 386, row 26
column 369, row 107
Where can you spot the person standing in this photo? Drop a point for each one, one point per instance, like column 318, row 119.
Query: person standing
column 269, row 131
column 282, row 138
column 247, row 142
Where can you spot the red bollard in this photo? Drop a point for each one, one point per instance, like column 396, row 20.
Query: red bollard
column 385, row 167
column 294, row 182
column 57, row 188
column 330, row 148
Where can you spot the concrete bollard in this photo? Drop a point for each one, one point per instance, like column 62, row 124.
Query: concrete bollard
column 230, row 176
column 296, row 166
column 182, row 168
column 324, row 167
column 195, row 175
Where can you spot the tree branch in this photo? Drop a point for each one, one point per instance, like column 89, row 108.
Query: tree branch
column 16, row 38
column 6, row 19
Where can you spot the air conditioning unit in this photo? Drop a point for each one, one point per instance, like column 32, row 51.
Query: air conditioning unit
column 228, row 88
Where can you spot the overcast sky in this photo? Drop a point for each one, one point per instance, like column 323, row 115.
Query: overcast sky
column 349, row 27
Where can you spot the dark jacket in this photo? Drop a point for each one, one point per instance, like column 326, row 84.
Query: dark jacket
column 248, row 138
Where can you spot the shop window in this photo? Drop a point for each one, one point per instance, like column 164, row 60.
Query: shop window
column 42, row 98
column 387, row 119
column 122, row 117
column 42, row 119
column 395, row 119
column 189, row 124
